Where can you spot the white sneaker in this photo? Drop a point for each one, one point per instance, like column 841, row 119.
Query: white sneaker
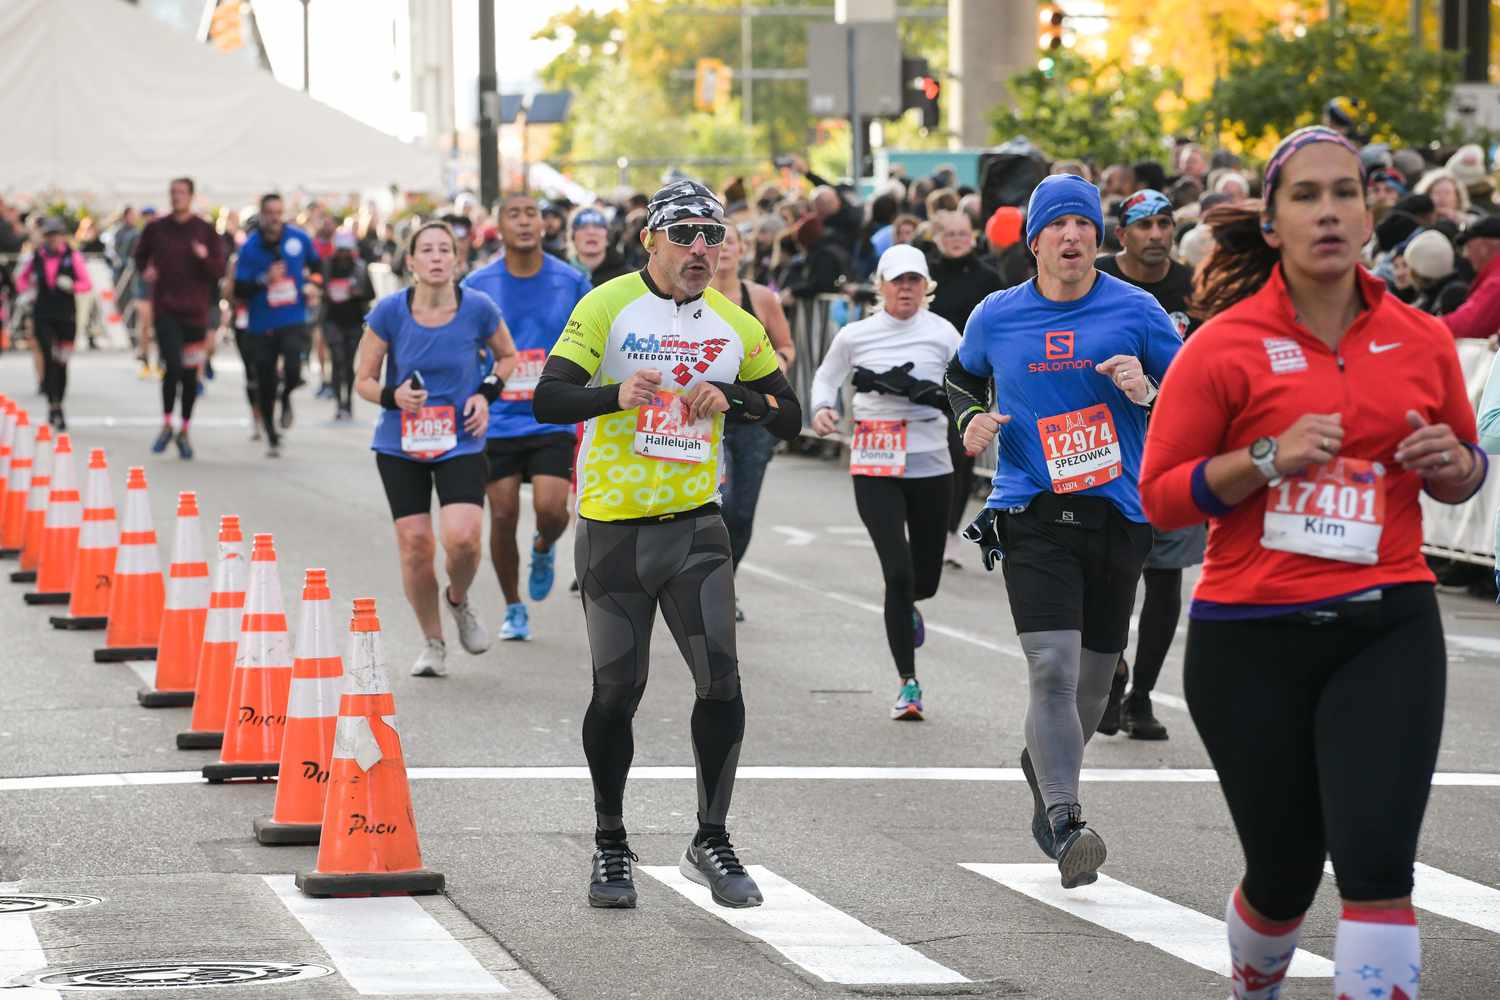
column 434, row 660
column 472, row 635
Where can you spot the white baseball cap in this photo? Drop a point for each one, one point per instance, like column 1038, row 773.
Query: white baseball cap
column 903, row 258
column 1429, row 255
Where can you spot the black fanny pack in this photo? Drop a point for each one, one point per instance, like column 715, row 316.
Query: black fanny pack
column 1070, row 510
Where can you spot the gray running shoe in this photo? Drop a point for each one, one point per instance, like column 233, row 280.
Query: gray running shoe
column 472, row 634
column 1041, row 828
column 611, row 886
column 714, row 864
column 433, row 661
column 1080, row 851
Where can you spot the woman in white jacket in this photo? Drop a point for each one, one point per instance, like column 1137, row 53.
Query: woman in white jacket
column 903, row 476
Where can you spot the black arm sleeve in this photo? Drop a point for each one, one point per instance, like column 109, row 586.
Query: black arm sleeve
column 768, row 401
column 968, row 393
column 564, row 396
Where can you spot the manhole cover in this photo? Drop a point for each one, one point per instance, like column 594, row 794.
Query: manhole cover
column 172, row 975
column 35, row 904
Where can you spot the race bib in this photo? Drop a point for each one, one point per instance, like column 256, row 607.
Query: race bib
column 522, row 381
column 1334, row 511
column 664, row 430
column 281, row 293
column 338, row 290
column 878, row 448
column 241, row 317
column 430, row 432
column 1082, row 448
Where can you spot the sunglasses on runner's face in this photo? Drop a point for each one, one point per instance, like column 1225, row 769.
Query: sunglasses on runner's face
column 684, row 233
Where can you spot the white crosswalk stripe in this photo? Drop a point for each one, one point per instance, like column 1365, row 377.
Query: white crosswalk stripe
column 1448, row 895
column 1170, row 927
column 20, row 951
column 825, row 941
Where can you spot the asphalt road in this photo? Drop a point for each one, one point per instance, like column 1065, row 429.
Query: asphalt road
column 896, row 856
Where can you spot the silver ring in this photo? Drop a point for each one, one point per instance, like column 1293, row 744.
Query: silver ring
column 1445, row 458
column 1325, row 444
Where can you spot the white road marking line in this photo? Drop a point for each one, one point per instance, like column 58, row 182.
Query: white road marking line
column 1448, row 895
column 1102, row 775
column 145, row 670
column 1167, row 926
column 794, row 536
column 387, row 945
column 154, row 421
column 20, row 952
column 1169, row 700
column 1474, row 643
column 825, row 941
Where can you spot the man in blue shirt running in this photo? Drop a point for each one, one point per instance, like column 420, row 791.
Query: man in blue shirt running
column 536, row 292
column 1076, row 357
column 271, row 276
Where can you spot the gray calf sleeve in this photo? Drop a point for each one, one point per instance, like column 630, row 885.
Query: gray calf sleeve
column 1054, row 733
column 1096, row 674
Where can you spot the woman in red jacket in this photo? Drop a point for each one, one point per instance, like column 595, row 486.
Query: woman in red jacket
column 1304, row 419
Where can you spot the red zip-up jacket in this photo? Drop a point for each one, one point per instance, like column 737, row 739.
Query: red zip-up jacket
column 1251, row 372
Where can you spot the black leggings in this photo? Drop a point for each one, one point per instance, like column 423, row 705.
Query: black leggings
column 180, row 347
column 625, row 572
column 245, row 341
column 963, row 478
column 54, row 336
column 1325, row 737
column 908, row 521
column 342, row 342
column 1161, row 609
column 283, row 344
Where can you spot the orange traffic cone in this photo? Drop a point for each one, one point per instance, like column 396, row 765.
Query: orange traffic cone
column 256, row 720
column 59, row 548
column 371, row 843
column 98, row 540
column 183, row 617
column 311, row 718
column 17, row 485
column 7, row 439
column 221, row 639
column 36, row 507
column 137, row 593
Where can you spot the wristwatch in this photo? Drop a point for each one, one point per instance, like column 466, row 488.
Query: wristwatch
column 1263, row 454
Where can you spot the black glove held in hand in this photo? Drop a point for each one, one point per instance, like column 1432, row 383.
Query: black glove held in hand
column 864, row 380
column 896, row 381
column 925, row 393
column 984, row 534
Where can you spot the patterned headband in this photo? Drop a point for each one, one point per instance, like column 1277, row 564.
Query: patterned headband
column 1298, row 140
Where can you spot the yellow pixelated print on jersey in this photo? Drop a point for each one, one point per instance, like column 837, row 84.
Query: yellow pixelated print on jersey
column 633, row 464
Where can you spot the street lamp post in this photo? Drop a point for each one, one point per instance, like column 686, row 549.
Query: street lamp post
column 306, row 50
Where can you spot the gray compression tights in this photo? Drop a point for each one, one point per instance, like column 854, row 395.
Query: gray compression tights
column 1069, row 689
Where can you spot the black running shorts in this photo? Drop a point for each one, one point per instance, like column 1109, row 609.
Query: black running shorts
column 531, row 455
column 409, row 483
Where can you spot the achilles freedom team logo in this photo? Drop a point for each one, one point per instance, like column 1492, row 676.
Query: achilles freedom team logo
column 687, row 358
column 1058, row 348
column 1285, row 354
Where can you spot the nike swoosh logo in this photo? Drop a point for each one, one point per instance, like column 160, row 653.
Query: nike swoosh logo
column 1382, row 348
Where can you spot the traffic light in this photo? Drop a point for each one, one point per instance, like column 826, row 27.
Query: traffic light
column 226, row 28
column 1052, row 17
column 921, row 90
column 712, row 81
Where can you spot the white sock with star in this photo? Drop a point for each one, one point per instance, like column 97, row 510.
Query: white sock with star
column 1377, row 954
column 1261, row 950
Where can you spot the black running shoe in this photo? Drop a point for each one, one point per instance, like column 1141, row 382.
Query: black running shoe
column 1041, row 829
column 162, row 440
column 611, row 887
column 1080, row 851
column 713, row 863
column 286, row 414
column 1137, row 719
column 1109, row 723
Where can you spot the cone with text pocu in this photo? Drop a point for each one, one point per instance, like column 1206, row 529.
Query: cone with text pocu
column 7, row 441
column 183, row 617
column 369, row 844
column 221, row 640
column 255, row 724
column 35, row 518
column 137, row 594
column 17, row 485
column 54, row 570
column 311, row 719
column 98, row 542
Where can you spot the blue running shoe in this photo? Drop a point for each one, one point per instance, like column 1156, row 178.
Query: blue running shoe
column 162, row 440
column 918, row 629
column 908, row 705
column 517, row 623
column 539, row 584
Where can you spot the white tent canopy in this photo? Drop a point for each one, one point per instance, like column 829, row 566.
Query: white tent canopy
column 99, row 99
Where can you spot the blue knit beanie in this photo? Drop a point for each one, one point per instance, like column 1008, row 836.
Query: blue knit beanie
column 1059, row 195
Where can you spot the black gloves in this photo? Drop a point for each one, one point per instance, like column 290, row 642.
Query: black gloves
column 925, row 393
column 896, row 381
column 984, row 533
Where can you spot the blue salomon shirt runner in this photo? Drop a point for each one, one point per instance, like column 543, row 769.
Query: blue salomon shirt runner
column 536, row 309
column 1071, row 430
column 450, row 360
column 284, row 304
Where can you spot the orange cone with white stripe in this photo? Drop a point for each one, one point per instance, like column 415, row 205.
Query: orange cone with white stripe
column 221, row 640
column 183, row 617
column 7, row 439
column 138, row 592
column 36, row 507
column 59, row 547
column 369, row 844
column 255, row 724
column 311, row 718
column 17, row 485
column 98, row 541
